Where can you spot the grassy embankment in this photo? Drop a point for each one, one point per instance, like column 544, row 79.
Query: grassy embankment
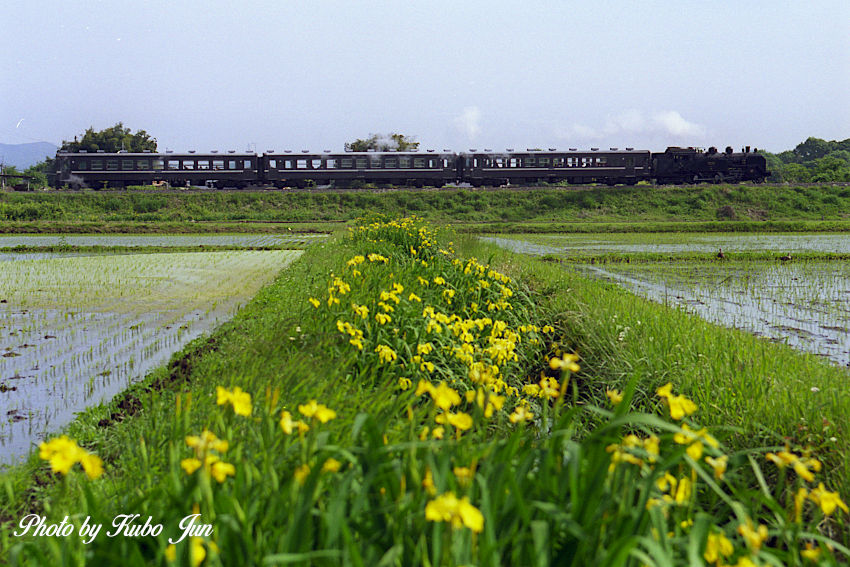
column 372, row 482
column 711, row 207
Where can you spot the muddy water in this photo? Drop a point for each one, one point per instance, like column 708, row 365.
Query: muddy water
column 81, row 333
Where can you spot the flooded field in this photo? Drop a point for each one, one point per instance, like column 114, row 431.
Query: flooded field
column 672, row 243
column 804, row 304
column 175, row 240
column 76, row 330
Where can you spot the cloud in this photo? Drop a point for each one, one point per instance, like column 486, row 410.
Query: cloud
column 673, row 123
column 469, row 122
column 667, row 122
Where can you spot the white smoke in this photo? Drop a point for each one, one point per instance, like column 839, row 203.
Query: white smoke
column 469, row 122
column 667, row 122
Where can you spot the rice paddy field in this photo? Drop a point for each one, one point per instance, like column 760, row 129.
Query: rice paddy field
column 804, row 303
column 75, row 331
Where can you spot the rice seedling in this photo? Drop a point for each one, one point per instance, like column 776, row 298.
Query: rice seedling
column 83, row 328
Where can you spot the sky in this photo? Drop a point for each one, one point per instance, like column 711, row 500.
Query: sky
column 453, row 75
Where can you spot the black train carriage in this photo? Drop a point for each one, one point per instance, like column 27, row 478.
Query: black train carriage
column 416, row 169
column 614, row 166
column 101, row 170
column 692, row 165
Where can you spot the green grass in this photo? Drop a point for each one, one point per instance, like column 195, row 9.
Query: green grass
column 547, row 491
column 744, row 205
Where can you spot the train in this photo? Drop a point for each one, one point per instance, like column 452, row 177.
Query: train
column 239, row 170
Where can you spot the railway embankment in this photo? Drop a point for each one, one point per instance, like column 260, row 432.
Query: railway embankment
column 747, row 207
column 369, row 401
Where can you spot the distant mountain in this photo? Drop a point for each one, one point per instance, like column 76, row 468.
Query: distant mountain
column 24, row 155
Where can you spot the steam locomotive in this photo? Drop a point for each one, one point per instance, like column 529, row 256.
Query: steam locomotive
column 414, row 169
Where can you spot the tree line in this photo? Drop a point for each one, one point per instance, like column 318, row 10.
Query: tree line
column 812, row 161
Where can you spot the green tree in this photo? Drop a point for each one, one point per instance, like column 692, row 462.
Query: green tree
column 812, row 149
column 114, row 139
column 381, row 143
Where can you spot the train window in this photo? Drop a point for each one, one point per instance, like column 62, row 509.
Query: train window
column 330, row 163
column 513, row 162
column 499, row 162
column 317, row 164
column 558, row 162
column 432, row 163
column 528, row 162
column 126, row 164
column 391, row 163
column 112, row 165
column 572, row 162
column 630, row 161
column 418, row 162
column 587, row 162
column 288, row 164
column 97, row 164
column 272, row 164
column 78, row 164
column 158, row 164
column 302, row 164
column 346, row 163
column 142, row 164
column 247, row 164
column 188, row 164
column 360, row 163
column 375, row 163
column 601, row 162
column 231, row 164
column 404, row 162
column 218, row 164
column 204, row 164
column 544, row 162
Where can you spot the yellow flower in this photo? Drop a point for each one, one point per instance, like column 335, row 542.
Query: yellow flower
column 680, row 406
column 414, row 297
column 382, row 318
column 521, row 413
column 318, row 411
column 301, row 473
column 716, row 547
column 444, row 396
column 439, row 281
column 752, row 535
column 811, row 552
column 197, row 552
column 240, row 400
column 428, row 482
column 547, row 329
column 331, row 465
column 190, row 465
column 718, row 464
column 404, row 383
column 615, row 396
column 683, row 491
column 171, row 552
column 464, row 475
column 827, row 500
column 314, row 302
column 63, row 452
column 460, row 420
column 385, row 353
column 460, row 513
column 568, row 362
column 799, row 500
column 221, row 470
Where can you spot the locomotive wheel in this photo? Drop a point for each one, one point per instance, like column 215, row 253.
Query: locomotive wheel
column 718, row 178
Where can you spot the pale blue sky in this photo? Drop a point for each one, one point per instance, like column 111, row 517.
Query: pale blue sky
column 312, row 75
